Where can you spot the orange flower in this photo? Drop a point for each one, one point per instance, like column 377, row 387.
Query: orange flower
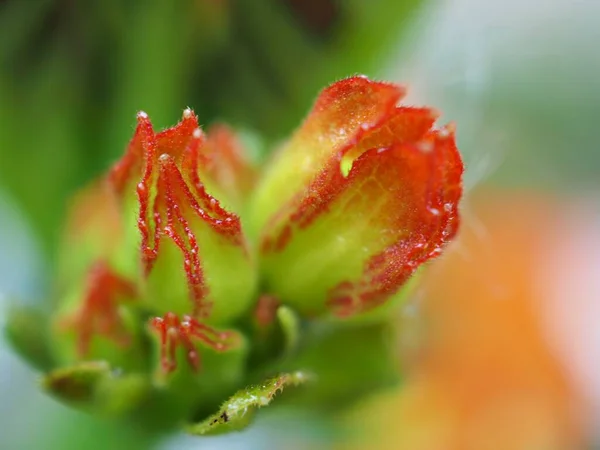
column 485, row 378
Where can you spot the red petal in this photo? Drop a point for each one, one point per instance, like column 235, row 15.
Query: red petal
column 342, row 115
column 402, row 125
column 349, row 106
column 180, row 201
column 421, row 184
column 99, row 312
column 173, row 202
column 130, row 166
column 173, row 141
column 399, row 202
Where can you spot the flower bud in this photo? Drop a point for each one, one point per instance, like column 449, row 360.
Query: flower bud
column 361, row 196
column 193, row 253
column 94, row 319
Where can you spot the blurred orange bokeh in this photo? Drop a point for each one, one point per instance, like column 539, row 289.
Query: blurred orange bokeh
column 484, row 375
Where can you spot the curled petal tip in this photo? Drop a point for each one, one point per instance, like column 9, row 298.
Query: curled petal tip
column 448, row 130
column 178, row 214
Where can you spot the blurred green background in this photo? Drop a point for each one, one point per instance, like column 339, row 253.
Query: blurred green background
column 521, row 79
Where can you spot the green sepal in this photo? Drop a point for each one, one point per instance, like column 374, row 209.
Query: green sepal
column 348, row 363
column 129, row 356
column 290, row 325
column 96, row 387
column 230, row 279
column 186, row 393
column 27, row 332
column 237, row 412
column 381, row 313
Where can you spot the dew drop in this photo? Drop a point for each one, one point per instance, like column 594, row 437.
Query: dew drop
column 425, row 146
column 172, row 332
column 443, row 133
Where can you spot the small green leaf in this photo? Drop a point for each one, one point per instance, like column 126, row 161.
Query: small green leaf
column 25, row 329
column 76, row 384
column 237, row 412
column 96, row 387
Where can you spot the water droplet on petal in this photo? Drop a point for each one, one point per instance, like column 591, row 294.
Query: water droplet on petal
column 425, row 146
column 443, row 133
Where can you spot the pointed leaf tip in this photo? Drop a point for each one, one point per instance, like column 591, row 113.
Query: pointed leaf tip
column 94, row 386
column 26, row 331
column 238, row 411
